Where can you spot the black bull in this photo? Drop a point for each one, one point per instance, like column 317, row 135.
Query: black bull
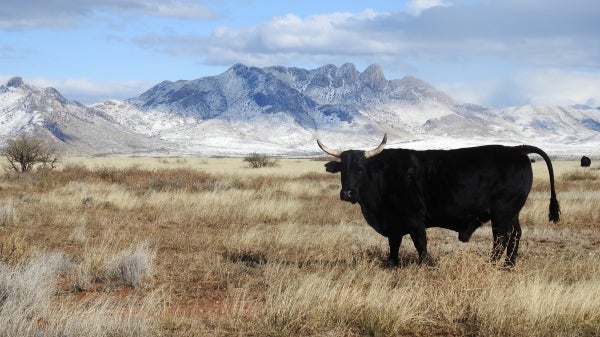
column 405, row 191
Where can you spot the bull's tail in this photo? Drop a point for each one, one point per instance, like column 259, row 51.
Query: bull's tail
column 554, row 214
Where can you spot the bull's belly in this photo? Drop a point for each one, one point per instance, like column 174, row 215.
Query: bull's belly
column 394, row 224
column 460, row 224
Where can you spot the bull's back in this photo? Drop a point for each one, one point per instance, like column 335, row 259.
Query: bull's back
column 463, row 186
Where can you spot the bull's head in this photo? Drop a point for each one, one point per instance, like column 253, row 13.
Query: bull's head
column 353, row 168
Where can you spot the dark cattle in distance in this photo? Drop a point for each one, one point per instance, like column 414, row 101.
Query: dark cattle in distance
column 404, row 191
column 586, row 161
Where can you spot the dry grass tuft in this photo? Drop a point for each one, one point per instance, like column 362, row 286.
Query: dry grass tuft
column 14, row 247
column 540, row 306
column 7, row 213
column 28, row 306
column 106, row 264
column 132, row 267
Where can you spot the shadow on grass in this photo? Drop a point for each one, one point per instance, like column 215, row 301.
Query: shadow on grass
column 253, row 258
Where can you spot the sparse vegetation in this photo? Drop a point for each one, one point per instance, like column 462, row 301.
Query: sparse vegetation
column 191, row 251
column 31, row 306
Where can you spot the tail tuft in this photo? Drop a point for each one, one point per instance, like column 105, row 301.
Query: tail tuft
column 554, row 214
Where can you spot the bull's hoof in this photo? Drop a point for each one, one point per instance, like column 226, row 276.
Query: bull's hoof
column 509, row 265
column 390, row 263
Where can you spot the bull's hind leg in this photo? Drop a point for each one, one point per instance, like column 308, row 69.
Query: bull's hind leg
column 500, row 242
column 419, row 238
column 512, row 248
column 506, row 237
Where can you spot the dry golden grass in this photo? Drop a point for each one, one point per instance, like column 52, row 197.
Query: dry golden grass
column 210, row 247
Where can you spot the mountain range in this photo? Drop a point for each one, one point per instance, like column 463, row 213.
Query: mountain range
column 281, row 111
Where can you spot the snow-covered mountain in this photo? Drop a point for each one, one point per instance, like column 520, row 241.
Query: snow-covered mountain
column 69, row 126
column 280, row 111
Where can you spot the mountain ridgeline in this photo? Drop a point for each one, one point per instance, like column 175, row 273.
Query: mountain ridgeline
column 281, row 111
column 328, row 92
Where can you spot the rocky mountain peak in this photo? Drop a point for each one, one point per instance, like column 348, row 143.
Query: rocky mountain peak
column 374, row 78
column 15, row 82
column 348, row 72
column 41, row 98
column 18, row 83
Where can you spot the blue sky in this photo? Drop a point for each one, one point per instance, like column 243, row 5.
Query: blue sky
column 493, row 52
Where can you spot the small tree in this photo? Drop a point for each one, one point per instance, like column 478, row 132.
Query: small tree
column 257, row 160
column 24, row 152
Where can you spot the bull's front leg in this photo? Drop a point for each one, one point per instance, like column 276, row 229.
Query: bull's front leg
column 394, row 241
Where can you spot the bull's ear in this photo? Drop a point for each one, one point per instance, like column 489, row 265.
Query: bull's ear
column 332, row 167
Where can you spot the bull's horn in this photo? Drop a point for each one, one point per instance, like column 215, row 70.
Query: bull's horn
column 378, row 149
column 332, row 152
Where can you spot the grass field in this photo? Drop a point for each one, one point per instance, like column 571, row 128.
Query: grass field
column 210, row 247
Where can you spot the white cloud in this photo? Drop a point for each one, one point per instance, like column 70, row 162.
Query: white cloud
column 535, row 87
column 290, row 32
column 282, row 39
column 555, row 86
column 532, row 34
column 416, row 7
column 30, row 14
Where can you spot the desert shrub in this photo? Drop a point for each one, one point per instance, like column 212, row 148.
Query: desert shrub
column 258, row 160
column 26, row 151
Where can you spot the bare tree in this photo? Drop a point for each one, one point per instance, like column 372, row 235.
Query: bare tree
column 24, row 152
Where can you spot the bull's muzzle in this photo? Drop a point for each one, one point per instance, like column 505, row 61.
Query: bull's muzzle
column 348, row 195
